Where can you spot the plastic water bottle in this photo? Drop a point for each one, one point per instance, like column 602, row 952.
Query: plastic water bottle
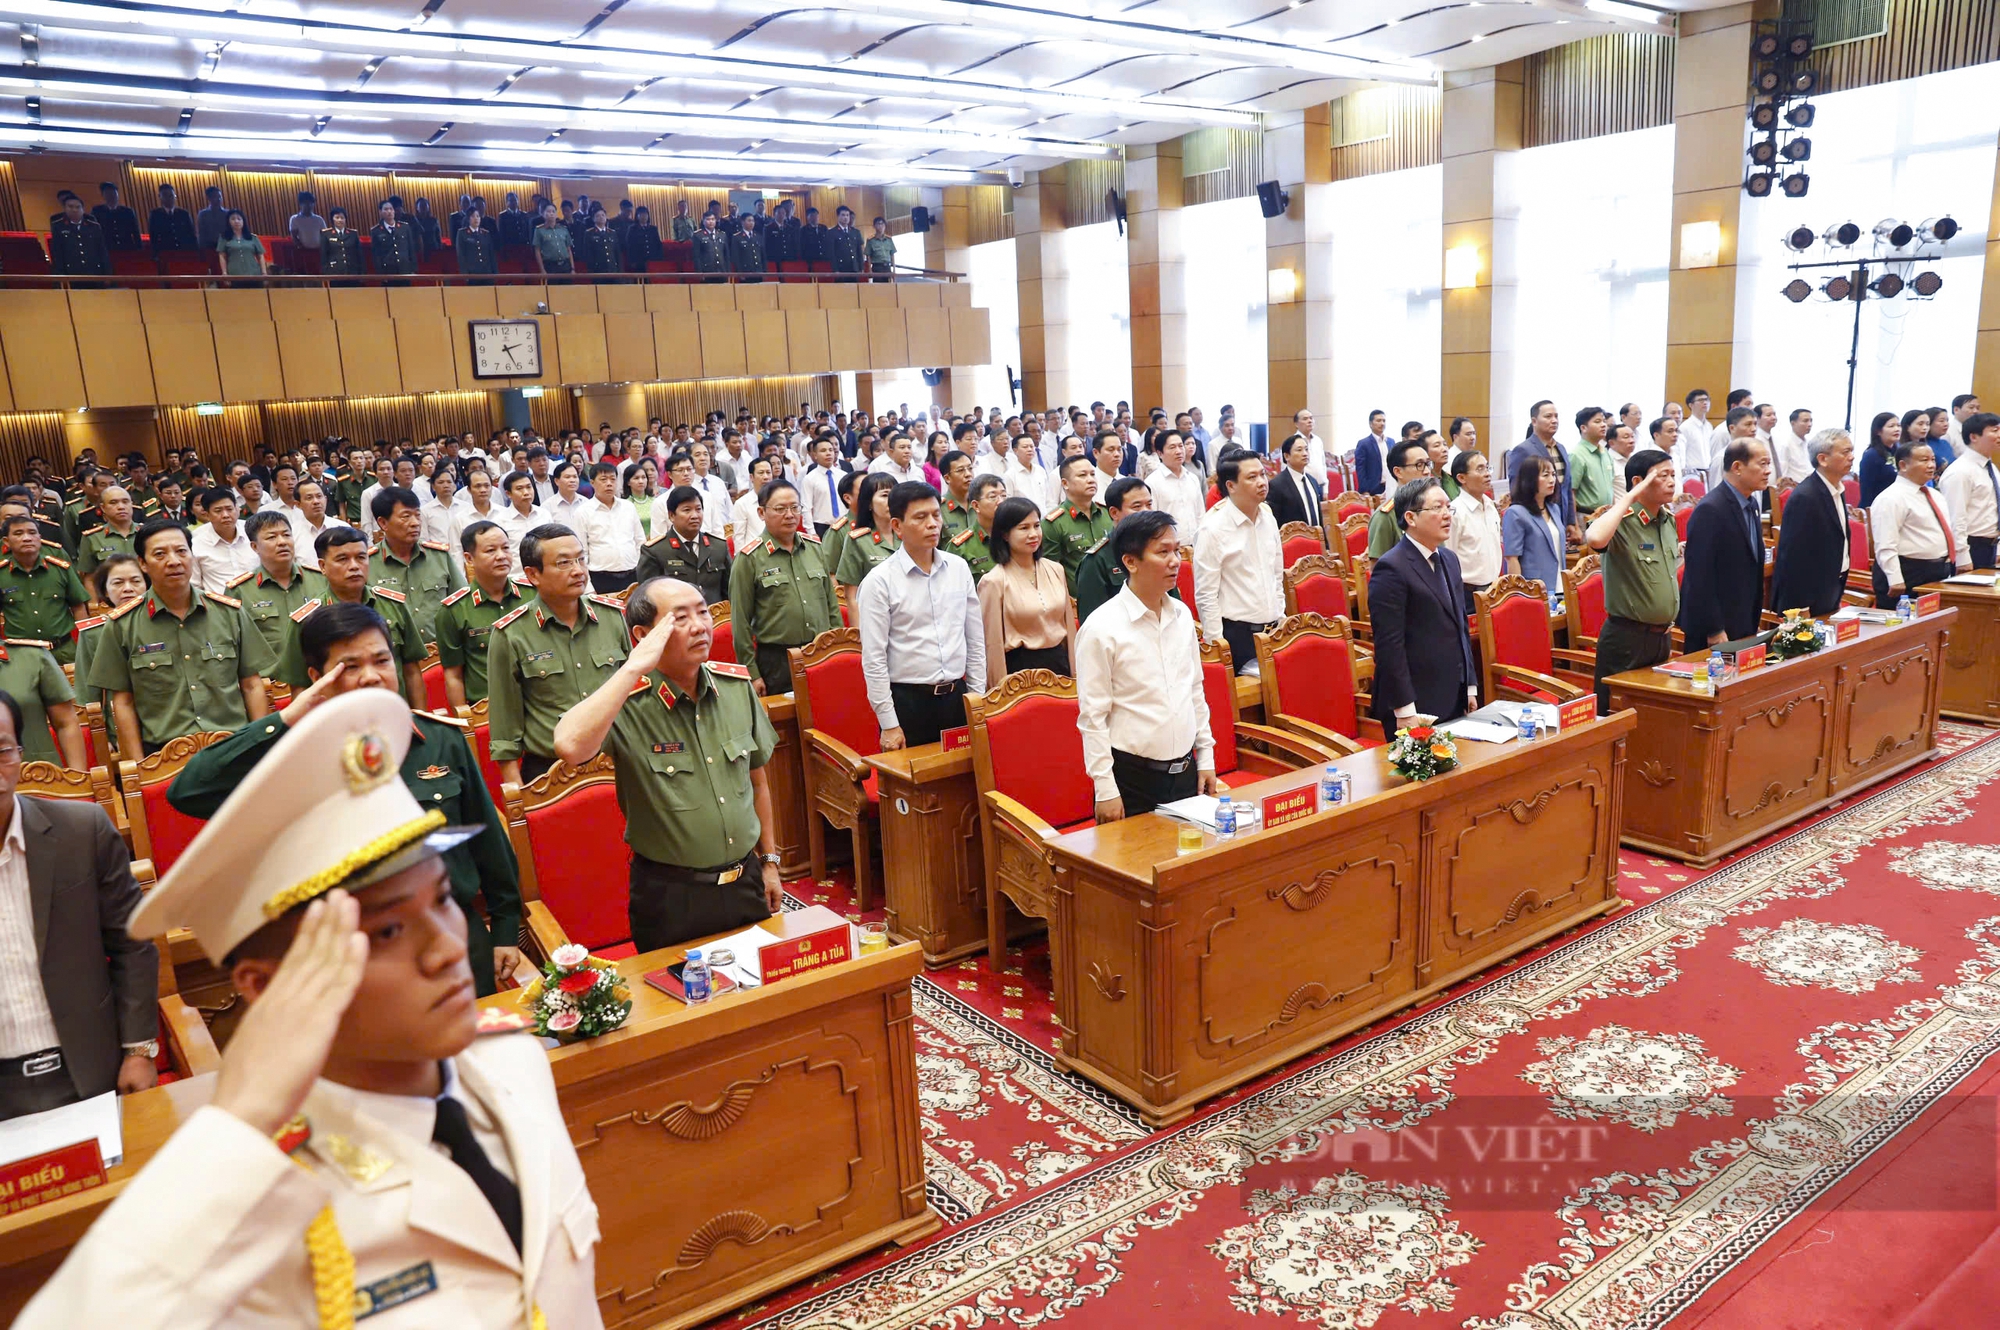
column 1717, row 667
column 1330, row 792
column 694, row 977
column 1906, row 609
column 1225, row 818
column 1525, row 722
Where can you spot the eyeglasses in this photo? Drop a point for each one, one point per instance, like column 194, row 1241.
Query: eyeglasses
column 1444, row 507
column 563, row 565
column 9, row 754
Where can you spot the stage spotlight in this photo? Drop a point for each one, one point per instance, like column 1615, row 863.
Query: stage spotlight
column 1798, row 150
column 1800, row 46
column 1894, row 234
column 1758, row 185
column 1804, row 82
column 1800, row 116
column 1843, row 236
column 1927, row 284
column 1797, row 185
column 1838, row 288
column 1937, row 230
column 1800, row 239
column 1888, row 286
column 1764, row 117
column 1797, row 290
column 1764, row 152
column 1769, row 80
column 1765, row 46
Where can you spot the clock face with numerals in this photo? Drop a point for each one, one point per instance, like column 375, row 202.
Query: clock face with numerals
column 506, row 348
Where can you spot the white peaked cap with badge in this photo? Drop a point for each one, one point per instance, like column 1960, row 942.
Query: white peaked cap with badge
column 334, row 786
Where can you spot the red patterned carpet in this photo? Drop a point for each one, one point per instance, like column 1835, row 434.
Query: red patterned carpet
column 1759, row 1098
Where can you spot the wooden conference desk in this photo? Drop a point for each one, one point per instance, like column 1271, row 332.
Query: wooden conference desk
column 787, row 775
column 732, row 1150
column 1709, row 774
column 1178, row 977
column 1972, row 658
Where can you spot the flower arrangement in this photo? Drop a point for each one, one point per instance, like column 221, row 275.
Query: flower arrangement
column 1422, row 751
column 577, row 996
column 1796, row 636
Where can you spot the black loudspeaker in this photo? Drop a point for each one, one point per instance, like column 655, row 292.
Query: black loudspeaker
column 920, row 219
column 1272, row 199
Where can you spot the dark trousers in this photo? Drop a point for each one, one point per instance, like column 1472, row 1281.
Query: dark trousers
column 479, row 948
column 605, row 584
column 1144, row 784
column 21, row 1094
column 1627, row 644
column 534, row 766
column 923, row 712
column 670, row 905
column 775, row 667
column 1470, row 592
column 1985, row 551
column 1916, row 573
column 1055, row 658
column 1242, row 639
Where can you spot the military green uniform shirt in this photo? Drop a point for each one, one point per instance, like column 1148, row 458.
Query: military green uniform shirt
column 702, row 562
column 862, row 552
column 1382, row 536
column 536, row 669
column 442, row 773
column 1099, row 578
column 835, row 540
column 78, row 521
column 1070, row 534
column 684, row 767
column 424, row 581
column 31, row 675
column 100, row 545
column 88, row 634
column 269, row 604
column 347, row 493
column 185, row 675
column 404, row 643
column 957, row 517
column 971, row 546
column 1639, row 581
column 37, row 602
column 780, row 597
column 465, row 630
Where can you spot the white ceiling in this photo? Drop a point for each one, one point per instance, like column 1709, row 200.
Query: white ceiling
column 889, row 91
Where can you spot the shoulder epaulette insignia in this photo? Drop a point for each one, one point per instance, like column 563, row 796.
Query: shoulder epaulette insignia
column 30, row 642
column 456, row 596
column 94, row 622
column 1099, row 545
column 506, row 619
column 60, row 563
column 840, row 522
column 521, row 581
column 391, row 593
column 961, row 537
column 727, row 670
column 807, row 533
column 299, row 614
column 240, row 579
column 607, row 602
column 443, row 719
column 126, row 608
column 437, row 545
column 221, row 599
column 663, row 537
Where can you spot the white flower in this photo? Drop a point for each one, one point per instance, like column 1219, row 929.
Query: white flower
column 565, row 1020
column 568, row 957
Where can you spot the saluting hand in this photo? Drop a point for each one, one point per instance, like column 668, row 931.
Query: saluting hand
column 646, row 652
column 282, row 1042
column 327, row 685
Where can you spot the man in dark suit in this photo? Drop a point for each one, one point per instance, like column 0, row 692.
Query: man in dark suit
column 80, row 1015
column 1423, row 653
column 1368, row 455
column 1810, row 569
column 1722, row 589
column 1295, row 496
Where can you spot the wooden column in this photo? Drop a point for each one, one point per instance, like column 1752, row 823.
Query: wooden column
column 1298, row 152
column 948, row 248
column 1711, row 129
column 1155, row 264
column 1480, row 135
column 1986, row 353
column 1044, row 304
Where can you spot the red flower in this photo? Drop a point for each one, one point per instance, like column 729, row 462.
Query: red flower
column 1421, row 732
column 579, row 981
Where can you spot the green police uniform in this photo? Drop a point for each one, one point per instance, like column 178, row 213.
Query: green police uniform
column 779, row 598
column 269, row 603
column 835, row 540
column 957, row 516
column 37, row 601
column 702, row 562
column 185, row 675
column 684, row 771
column 1099, row 578
column 407, row 647
column 536, row 669
column 347, row 493
column 100, row 545
column 1071, row 533
column 89, row 632
column 684, row 229
column 971, row 546
column 465, row 629
column 442, row 773
column 79, row 519
column 861, row 553
column 1382, row 535
column 425, row 580
column 31, row 675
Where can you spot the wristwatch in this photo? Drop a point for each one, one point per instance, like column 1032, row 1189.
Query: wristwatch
column 148, row 1049
column 770, row 858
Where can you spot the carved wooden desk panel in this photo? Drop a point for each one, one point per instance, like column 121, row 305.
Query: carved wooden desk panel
column 1181, row 976
column 1709, row 774
column 1972, row 657
column 933, row 855
column 787, row 774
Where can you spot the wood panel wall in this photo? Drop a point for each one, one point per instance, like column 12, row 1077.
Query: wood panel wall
column 1922, row 37
column 1606, row 85
column 1415, row 137
column 1219, row 164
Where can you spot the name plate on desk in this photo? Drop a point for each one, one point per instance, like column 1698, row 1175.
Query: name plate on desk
column 1930, row 602
column 1289, row 806
column 955, row 739
column 47, row 1177
column 1577, row 711
column 1846, row 630
column 803, row 954
column 1746, row 658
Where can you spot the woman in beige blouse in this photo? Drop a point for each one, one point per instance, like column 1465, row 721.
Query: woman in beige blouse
column 1024, row 600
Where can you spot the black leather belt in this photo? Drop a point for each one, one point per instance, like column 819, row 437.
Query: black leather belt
column 1172, row 768
column 945, row 689
column 34, row 1064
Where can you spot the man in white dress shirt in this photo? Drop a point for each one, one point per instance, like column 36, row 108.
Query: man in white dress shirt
column 1695, row 449
column 477, row 502
column 221, row 550
column 311, row 520
column 1475, row 524
column 1971, row 488
column 1239, row 567
column 820, row 486
column 1914, row 544
column 1146, row 738
column 1302, row 425
column 521, row 513
column 923, row 642
column 1109, row 451
column 1963, row 408
column 612, row 536
column 1178, row 489
column 1791, row 460
column 715, row 500
column 571, row 506
column 434, row 513
column 898, row 460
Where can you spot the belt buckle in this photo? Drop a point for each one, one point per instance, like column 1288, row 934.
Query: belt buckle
column 41, row 1064
column 943, row 689
column 1176, row 768
column 728, row 875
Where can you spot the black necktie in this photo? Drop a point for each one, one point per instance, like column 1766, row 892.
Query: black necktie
column 454, row 1132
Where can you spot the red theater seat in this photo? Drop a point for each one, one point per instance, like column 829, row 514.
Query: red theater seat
column 1027, row 757
column 838, row 729
column 1518, row 646
column 569, row 837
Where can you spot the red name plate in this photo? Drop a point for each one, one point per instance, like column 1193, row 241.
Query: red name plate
column 1576, row 711
column 48, row 1177
column 1930, row 602
column 802, row 955
column 954, row 740
column 1290, row 806
column 1846, row 630
column 1749, row 658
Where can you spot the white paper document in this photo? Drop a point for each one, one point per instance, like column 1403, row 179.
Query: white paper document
column 39, row 1133
column 1196, row 808
column 1974, row 579
column 1481, row 731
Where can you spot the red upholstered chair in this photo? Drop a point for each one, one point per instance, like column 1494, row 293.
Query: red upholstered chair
column 1779, row 496
column 1359, row 570
column 279, row 695
column 838, row 729
column 134, row 263
column 186, row 263
column 1184, row 581
column 1297, row 540
column 1244, row 752
column 568, row 834
column 1694, row 487
column 722, row 638
column 843, row 594
column 435, row 698
column 1354, row 536
column 46, row 780
column 481, row 739
column 1583, row 604
column 21, row 252
column 1860, row 554
column 1313, row 681
column 186, row 1047
column 1314, row 585
column 1518, row 648
column 1355, row 506
column 159, row 831
column 1681, row 520
column 1027, row 758
column 1852, row 488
